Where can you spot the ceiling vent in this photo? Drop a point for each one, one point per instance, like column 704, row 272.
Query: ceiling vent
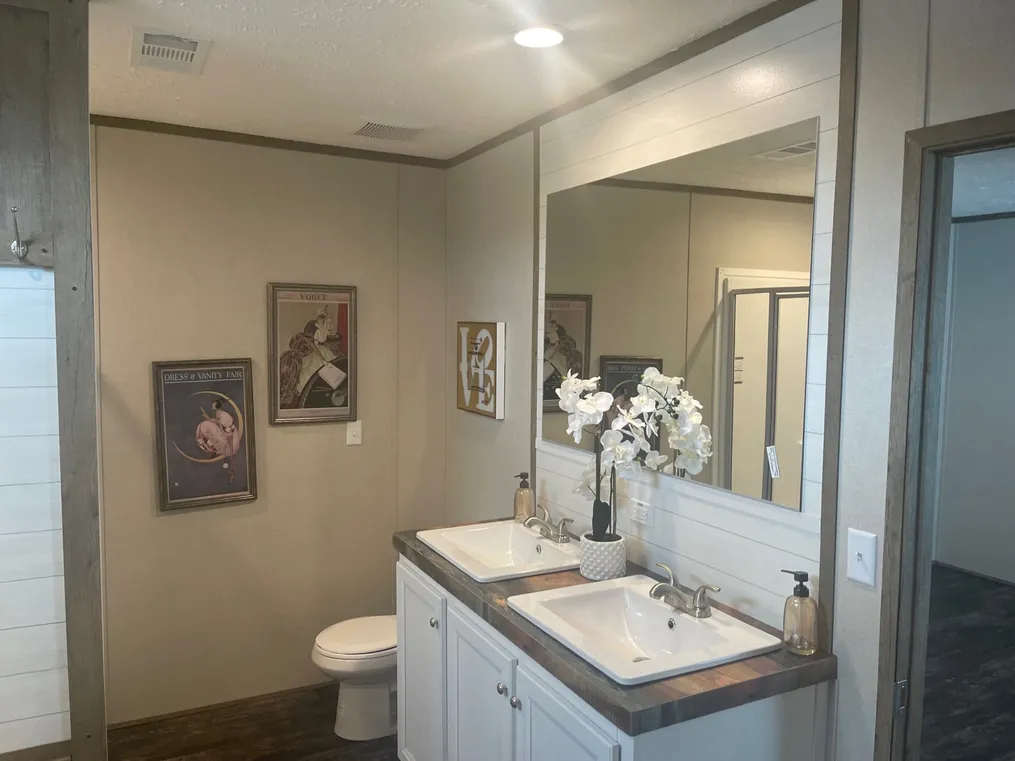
column 789, row 152
column 379, row 131
column 157, row 50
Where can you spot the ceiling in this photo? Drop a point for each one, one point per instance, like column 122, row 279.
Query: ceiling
column 317, row 70
column 984, row 183
column 736, row 165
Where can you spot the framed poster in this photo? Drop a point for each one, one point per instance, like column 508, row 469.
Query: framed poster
column 312, row 355
column 481, row 368
column 204, row 432
column 567, row 343
column 621, row 376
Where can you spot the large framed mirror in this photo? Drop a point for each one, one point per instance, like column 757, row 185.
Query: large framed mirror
column 698, row 266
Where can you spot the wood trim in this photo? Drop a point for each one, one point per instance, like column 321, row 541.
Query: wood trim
column 983, row 217
column 261, row 141
column 705, row 190
column 213, row 707
column 52, row 752
column 703, row 44
column 537, row 400
column 903, row 610
column 76, row 375
column 838, row 283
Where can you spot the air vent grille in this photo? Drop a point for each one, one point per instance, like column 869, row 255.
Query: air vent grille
column 789, row 151
column 378, row 131
column 169, row 52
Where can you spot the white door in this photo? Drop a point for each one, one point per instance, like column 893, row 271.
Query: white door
column 421, row 686
column 480, row 684
column 548, row 729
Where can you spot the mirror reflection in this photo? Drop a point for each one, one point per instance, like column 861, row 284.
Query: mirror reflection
column 698, row 267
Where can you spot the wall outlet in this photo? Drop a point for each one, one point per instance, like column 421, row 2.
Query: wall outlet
column 354, row 433
column 642, row 513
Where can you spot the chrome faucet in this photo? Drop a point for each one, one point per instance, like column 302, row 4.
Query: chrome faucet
column 696, row 605
column 556, row 535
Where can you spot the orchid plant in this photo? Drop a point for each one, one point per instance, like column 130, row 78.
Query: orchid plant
column 622, row 446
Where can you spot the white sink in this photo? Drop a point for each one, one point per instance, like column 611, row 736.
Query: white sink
column 618, row 628
column 502, row 550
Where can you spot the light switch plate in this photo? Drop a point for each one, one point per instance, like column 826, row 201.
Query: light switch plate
column 354, row 433
column 862, row 557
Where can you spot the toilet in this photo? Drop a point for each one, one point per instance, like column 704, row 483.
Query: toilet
column 360, row 655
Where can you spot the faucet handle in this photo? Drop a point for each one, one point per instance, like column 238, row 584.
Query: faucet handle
column 701, row 595
column 562, row 527
column 669, row 572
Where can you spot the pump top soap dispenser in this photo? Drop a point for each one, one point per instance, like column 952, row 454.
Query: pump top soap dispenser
column 800, row 618
column 525, row 499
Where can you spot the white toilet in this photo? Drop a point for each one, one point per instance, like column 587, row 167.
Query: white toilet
column 360, row 655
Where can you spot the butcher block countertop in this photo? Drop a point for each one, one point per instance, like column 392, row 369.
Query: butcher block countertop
column 641, row 708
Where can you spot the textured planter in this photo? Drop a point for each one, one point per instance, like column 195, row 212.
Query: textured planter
column 603, row 560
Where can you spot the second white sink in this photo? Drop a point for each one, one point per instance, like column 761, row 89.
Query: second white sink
column 501, row 550
column 618, row 628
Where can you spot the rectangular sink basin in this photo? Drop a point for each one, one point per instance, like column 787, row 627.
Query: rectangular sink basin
column 502, row 550
column 618, row 628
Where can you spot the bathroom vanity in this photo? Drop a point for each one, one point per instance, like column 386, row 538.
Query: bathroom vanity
column 477, row 681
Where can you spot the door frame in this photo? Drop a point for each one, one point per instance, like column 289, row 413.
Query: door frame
column 921, row 313
column 70, row 220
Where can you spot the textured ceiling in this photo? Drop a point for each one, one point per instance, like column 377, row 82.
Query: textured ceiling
column 984, row 183
column 316, row 70
column 736, row 165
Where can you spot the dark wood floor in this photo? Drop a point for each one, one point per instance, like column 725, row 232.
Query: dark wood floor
column 297, row 726
column 969, row 694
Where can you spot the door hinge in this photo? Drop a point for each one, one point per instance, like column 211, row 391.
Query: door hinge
column 901, row 699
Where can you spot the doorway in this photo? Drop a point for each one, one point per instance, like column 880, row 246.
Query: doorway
column 948, row 607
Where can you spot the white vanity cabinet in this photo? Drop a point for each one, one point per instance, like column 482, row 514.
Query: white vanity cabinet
column 466, row 693
column 496, row 709
column 422, row 703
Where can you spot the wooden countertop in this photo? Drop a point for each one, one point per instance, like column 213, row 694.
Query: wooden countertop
column 635, row 710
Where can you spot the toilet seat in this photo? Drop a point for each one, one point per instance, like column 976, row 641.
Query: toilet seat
column 358, row 639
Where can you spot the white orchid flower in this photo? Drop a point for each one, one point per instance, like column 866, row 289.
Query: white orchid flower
column 654, row 460
column 625, row 419
column 644, row 403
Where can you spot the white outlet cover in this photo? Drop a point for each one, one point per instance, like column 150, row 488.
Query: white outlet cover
column 354, row 433
column 862, row 557
column 642, row 513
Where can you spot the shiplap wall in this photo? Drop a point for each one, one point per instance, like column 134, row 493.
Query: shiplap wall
column 781, row 73
column 33, row 647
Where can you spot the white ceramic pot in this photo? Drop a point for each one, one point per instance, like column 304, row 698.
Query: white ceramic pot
column 603, row 560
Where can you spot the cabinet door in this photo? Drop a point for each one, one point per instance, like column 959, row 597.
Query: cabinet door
column 548, row 729
column 480, row 684
column 421, row 686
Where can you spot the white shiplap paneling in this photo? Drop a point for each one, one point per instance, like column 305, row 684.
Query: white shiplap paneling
column 27, row 362
column 29, row 459
column 28, row 411
column 39, row 693
column 33, row 648
column 779, row 74
column 32, row 602
column 32, row 555
column 39, row 730
column 30, row 507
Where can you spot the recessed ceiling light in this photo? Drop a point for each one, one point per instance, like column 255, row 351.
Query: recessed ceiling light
column 539, row 37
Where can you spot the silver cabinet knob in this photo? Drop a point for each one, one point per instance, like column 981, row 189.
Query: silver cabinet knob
column 433, row 622
column 501, row 688
column 516, row 703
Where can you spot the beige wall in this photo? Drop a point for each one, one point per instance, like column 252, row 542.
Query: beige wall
column 218, row 604
column 491, row 222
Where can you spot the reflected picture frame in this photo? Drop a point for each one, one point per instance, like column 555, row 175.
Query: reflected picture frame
column 569, row 316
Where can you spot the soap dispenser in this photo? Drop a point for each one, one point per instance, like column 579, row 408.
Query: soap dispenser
column 525, row 499
column 800, row 618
